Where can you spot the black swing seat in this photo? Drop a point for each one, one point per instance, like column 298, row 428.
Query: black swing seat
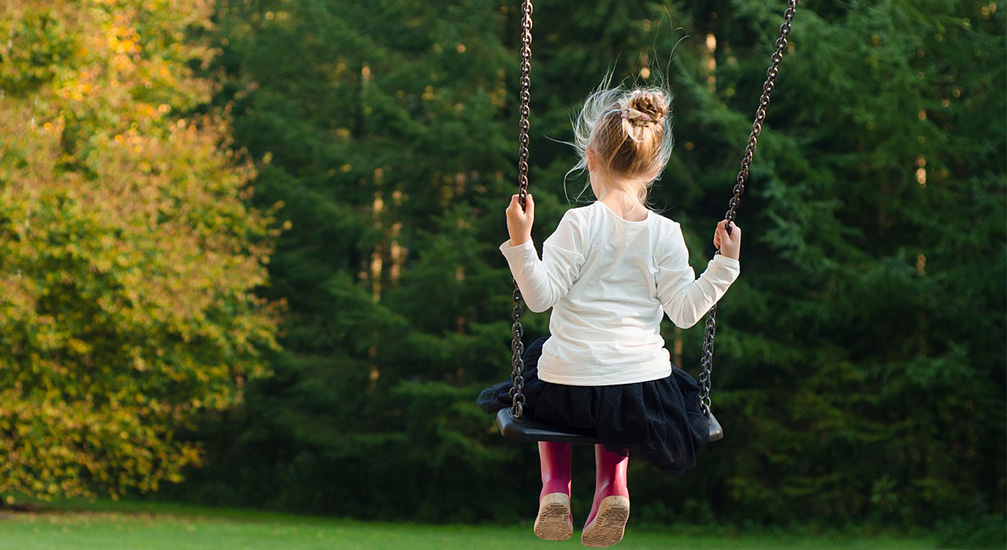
column 534, row 430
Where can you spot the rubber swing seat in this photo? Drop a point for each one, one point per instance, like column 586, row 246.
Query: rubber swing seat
column 534, row 430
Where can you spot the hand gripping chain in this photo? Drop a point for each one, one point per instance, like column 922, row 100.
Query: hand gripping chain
column 739, row 188
column 517, row 331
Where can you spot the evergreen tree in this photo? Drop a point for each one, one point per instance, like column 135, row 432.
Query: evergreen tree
column 859, row 357
column 381, row 130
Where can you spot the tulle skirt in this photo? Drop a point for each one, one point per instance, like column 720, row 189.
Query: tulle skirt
column 658, row 421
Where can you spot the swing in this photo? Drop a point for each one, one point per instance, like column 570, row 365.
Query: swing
column 512, row 422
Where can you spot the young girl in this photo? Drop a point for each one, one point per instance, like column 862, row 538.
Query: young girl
column 608, row 272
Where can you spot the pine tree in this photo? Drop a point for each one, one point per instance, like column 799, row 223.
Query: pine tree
column 381, row 130
column 859, row 357
column 860, row 354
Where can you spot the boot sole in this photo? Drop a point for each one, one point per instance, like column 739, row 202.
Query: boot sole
column 609, row 525
column 553, row 521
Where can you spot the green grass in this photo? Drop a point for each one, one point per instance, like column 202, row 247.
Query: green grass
column 133, row 526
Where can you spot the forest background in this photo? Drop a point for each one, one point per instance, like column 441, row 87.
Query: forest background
column 316, row 345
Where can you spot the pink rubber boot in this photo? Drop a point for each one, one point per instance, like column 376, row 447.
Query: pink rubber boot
column 554, row 521
column 610, row 511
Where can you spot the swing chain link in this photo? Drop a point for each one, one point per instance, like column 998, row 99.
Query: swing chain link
column 739, row 188
column 525, row 98
column 517, row 330
column 704, row 376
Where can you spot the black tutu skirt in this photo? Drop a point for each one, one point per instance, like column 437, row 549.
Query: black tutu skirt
column 658, row 421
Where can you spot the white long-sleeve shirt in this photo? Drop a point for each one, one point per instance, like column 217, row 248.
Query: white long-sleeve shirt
column 607, row 281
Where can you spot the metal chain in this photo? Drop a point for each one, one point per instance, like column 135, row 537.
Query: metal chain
column 739, row 188
column 517, row 331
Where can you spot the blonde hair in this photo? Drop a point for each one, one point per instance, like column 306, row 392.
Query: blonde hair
column 629, row 131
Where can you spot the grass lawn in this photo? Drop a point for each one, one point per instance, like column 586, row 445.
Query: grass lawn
column 165, row 527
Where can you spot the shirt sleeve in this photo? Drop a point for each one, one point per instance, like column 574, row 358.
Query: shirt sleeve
column 544, row 282
column 685, row 298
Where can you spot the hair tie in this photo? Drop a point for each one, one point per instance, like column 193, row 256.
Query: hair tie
column 637, row 118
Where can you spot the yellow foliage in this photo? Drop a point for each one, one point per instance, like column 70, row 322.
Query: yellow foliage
column 128, row 258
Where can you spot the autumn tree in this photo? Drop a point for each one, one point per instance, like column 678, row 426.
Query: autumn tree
column 129, row 259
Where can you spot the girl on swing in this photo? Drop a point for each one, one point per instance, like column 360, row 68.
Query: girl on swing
column 608, row 272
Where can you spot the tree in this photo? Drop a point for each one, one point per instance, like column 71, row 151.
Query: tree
column 867, row 323
column 383, row 130
column 130, row 261
column 861, row 369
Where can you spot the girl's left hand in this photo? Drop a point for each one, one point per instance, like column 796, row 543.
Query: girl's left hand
column 519, row 221
column 728, row 244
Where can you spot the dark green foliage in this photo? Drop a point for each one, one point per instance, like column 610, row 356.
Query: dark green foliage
column 381, row 129
column 986, row 532
column 860, row 357
column 861, row 373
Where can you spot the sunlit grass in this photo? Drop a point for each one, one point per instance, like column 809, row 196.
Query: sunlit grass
column 118, row 526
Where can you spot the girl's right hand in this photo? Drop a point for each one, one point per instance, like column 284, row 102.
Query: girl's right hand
column 520, row 220
column 728, row 244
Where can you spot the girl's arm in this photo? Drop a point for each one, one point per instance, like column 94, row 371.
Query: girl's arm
column 685, row 298
column 543, row 282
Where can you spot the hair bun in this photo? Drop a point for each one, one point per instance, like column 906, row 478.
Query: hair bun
column 646, row 107
column 629, row 133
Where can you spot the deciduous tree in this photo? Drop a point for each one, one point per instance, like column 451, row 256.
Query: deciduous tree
column 130, row 262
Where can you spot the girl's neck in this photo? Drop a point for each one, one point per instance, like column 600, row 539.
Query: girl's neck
column 624, row 206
